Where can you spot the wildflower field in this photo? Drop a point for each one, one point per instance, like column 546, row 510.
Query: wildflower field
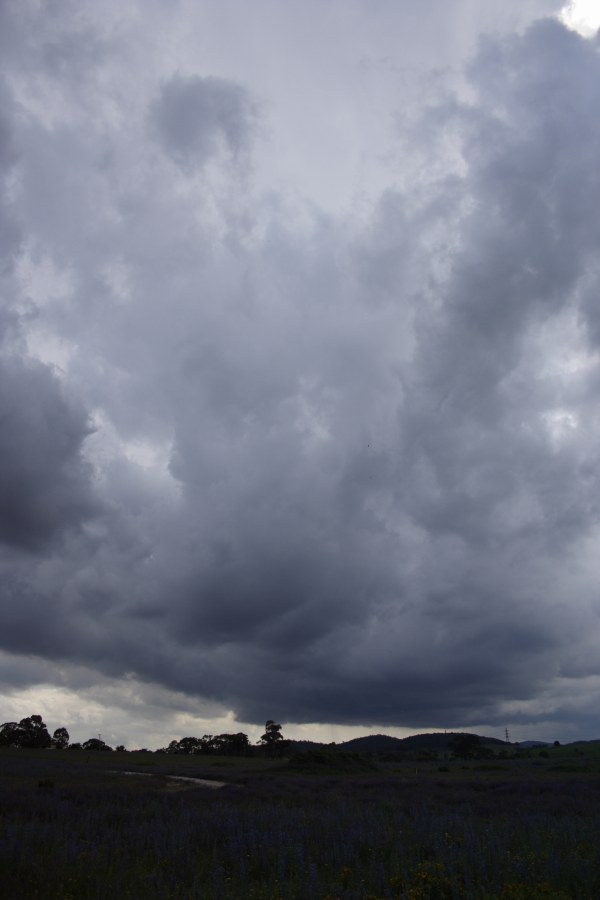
column 73, row 826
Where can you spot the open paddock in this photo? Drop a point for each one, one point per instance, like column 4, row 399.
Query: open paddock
column 75, row 826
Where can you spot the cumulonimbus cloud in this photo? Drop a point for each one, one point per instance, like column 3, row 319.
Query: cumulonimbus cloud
column 369, row 481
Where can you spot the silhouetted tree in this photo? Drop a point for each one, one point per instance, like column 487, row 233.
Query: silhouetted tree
column 60, row 739
column 30, row 732
column 231, row 744
column 273, row 739
column 225, row 744
column 95, row 744
column 189, row 745
column 35, row 732
column 10, row 735
column 469, row 746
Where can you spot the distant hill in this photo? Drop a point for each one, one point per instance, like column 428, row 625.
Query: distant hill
column 432, row 741
column 305, row 745
column 383, row 743
column 529, row 744
column 373, row 743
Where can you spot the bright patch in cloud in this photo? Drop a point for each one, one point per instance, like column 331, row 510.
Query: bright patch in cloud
column 582, row 16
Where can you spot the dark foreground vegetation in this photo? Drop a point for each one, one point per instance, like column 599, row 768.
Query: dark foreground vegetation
column 317, row 826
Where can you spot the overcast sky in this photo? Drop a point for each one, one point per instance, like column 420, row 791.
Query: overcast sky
column 299, row 367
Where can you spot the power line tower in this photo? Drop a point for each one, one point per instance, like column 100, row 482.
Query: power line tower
column 506, row 736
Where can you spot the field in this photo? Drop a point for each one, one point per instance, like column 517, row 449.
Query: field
column 72, row 825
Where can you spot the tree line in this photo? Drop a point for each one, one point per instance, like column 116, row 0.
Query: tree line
column 32, row 733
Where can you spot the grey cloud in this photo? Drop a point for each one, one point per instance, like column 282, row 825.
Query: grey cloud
column 7, row 150
column 471, row 458
column 32, row 624
column 195, row 116
column 380, row 497
column 44, row 482
column 10, row 233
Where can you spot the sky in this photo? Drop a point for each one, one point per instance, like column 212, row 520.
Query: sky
column 299, row 367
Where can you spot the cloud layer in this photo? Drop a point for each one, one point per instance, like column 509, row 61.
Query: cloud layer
column 324, row 462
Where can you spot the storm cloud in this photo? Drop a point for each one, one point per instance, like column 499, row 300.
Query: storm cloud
column 194, row 115
column 44, row 480
column 282, row 455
